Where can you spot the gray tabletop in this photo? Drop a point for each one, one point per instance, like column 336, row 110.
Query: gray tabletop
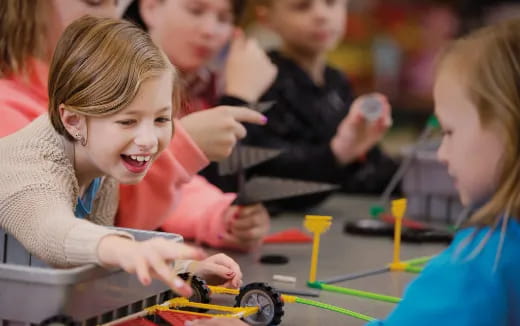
column 339, row 254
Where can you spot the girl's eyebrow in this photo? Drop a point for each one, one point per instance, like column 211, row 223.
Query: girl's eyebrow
column 163, row 109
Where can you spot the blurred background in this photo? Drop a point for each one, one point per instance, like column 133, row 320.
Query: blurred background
column 390, row 46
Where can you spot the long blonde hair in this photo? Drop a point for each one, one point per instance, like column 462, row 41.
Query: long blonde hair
column 488, row 61
column 98, row 67
column 22, row 33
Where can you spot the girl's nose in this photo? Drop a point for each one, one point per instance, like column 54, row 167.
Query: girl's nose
column 146, row 139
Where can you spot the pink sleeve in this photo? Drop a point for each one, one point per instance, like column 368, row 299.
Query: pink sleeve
column 147, row 204
column 199, row 213
column 12, row 120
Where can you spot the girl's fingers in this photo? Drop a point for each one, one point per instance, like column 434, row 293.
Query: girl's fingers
column 244, row 224
column 229, row 238
column 220, row 271
column 239, row 130
column 179, row 286
column 238, row 41
column 229, row 214
column 142, row 271
column 171, row 250
column 229, row 263
column 246, row 211
column 159, row 266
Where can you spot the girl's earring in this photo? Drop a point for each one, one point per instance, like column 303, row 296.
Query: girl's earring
column 82, row 140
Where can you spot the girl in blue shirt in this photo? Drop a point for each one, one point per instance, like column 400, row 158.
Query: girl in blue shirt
column 477, row 100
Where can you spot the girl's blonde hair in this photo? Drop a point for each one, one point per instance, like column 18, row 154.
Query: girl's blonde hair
column 489, row 62
column 98, row 67
column 22, row 32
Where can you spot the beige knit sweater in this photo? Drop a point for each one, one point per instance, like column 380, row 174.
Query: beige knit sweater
column 38, row 195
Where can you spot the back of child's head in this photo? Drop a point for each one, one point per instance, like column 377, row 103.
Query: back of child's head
column 487, row 65
column 22, row 27
column 98, row 67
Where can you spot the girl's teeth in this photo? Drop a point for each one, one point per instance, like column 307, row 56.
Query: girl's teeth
column 140, row 158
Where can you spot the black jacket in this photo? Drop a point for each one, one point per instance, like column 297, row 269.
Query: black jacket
column 302, row 123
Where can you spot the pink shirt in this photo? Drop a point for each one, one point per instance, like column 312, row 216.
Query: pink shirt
column 23, row 98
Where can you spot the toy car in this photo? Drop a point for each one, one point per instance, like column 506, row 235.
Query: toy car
column 256, row 303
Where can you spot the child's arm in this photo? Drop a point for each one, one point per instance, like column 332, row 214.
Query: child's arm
column 204, row 214
column 359, row 132
column 298, row 158
column 41, row 218
column 148, row 259
column 453, row 292
column 199, row 212
column 317, row 162
column 148, row 204
column 249, row 71
column 152, row 259
column 217, row 130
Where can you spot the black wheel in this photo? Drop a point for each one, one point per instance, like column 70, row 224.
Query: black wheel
column 59, row 321
column 266, row 298
column 201, row 293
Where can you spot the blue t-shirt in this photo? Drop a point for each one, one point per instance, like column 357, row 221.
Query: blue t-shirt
column 454, row 289
column 84, row 204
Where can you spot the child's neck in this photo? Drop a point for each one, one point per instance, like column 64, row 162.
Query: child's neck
column 84, row 170
column 312, row 63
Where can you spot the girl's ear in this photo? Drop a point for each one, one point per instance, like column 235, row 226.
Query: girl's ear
column 74, row 123
column 149, row 11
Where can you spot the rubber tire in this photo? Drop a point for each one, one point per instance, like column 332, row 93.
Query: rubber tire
column 274, row 301
column 201, row 292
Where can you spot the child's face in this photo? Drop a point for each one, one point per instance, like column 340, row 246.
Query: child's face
column 471, row 152
column 191, row 32
column 311, row 26
column 125, row 144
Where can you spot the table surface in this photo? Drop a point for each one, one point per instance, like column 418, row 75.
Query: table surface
column 339, row 254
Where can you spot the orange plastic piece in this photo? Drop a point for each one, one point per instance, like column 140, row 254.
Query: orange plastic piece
column 288, row 236
column 137, row 322
column 178, row 318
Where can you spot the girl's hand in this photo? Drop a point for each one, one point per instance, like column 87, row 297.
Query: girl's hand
column 218, row 269
column 217, row 130
column 249, row 71
column 147, row 259
column 357, row 134
column 246, row 226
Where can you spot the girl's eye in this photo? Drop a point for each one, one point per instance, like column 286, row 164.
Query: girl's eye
column 128, row 122
column 97, row 3
column 225, row 18
column 196, row 10
column 301, row 5
column 93, row 3
column 163, row 120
